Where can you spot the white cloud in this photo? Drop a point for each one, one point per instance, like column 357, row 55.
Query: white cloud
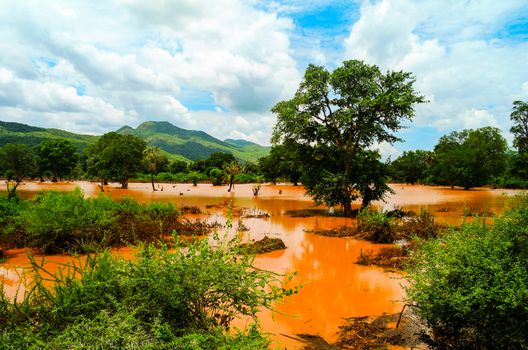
column 469, row 72
column 129, row 60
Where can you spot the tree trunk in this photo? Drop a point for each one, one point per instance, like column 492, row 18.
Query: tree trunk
column 105, row 182
column 54, row 179
column 231, row 179
column 347, row 203
column 101, row 186
column 152, row 181
column 124, row 184
column 11, row 192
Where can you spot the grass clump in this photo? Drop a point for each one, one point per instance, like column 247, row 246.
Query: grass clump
column 185, row 298
column 265, row 245
column 471, row 285
column 389, row 257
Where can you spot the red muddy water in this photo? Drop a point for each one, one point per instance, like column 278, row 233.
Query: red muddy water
column 333, row 286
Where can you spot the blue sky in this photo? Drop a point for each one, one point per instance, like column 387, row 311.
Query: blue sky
column 219, row 66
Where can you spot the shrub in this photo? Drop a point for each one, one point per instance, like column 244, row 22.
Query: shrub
column 11, row 234
column 471, row 286
column 185, row 298
column 375, row 226
column 56, row 221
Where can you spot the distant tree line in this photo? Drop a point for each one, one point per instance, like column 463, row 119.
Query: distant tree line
column 471, row 158
column 119, row 158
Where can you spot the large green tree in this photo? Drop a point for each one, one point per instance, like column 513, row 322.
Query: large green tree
column 116, row 157
column 348, row 110
column 412, row 166
column 519, row 116
column 56, row 156
column 16, row 162
column 323, row 175
column 283, row 161
column 470, row 158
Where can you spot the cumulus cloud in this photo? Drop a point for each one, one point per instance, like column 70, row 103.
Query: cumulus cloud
column 469, row 70
column 124, row 61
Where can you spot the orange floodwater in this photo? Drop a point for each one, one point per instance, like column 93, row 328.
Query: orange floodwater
column 333, row 286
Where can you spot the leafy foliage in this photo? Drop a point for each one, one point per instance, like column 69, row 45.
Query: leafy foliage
column 470, row 158
column 116, row 157
column 16, row 162
column 56, row 156
column 185, row 298
column 69, row 222
column 323, row 176
column 412, row 166
column 345, row 111
column 154, row 161
column 471, row 285
column 519, row 116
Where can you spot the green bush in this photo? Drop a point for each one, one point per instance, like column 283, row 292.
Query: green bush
column 245, row 178
column 11, row 234
column 56, row 221
column 471, row 285
column 185, row 298
column 375, row 226
column 510, row 182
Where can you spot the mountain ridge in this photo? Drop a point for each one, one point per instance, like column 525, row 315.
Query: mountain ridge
column 176, row 142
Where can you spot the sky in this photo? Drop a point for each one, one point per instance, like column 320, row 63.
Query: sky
column 219, row 66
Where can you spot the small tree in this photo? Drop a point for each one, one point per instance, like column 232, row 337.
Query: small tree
column 57, row 156
column 412, row 166
column 347, row 110
column 153, row 160
column 178, row 166
column 216, row 175
column 232, row 170
column 116, row 157
column 268, row 167
column 17, row 162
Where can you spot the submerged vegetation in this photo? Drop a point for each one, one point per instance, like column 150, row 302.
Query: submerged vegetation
column 388, row 227
column 265, row 245
column 185, row 298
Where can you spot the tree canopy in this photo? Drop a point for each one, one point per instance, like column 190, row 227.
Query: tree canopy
column 346, row 111
column 154, row 161
column 56, row 156
column 16, row 162
column 115, row 156
column 412, row 166
column 470, row 158
column 519, row 116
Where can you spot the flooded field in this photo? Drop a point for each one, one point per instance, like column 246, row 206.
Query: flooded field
column 333, row 286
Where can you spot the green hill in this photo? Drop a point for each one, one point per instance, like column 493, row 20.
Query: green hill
column 31, row 135
column 178, row 143
column 192, row 144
